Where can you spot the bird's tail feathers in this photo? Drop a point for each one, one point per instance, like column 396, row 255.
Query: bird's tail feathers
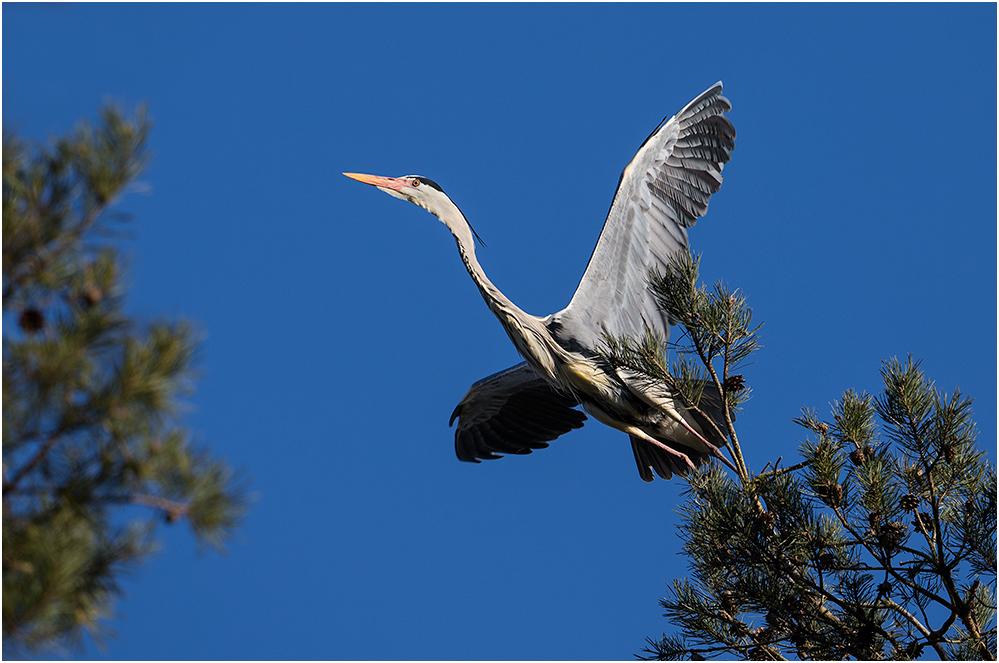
column 652, row 460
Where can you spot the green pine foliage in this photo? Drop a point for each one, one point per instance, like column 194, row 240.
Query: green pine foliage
column 93, row 450
column 879, row 544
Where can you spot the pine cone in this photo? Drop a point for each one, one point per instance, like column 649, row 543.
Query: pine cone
column 891, row 535
column 31, row 320
column 861, row 455
column 768, row 519
column 91, row 295
column 777, row 622
column 734, row 383
column 833, row 493
column 925, row 519
column 826, row 560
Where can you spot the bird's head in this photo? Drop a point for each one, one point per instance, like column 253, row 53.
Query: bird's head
column 424, row 192
column 416, row 189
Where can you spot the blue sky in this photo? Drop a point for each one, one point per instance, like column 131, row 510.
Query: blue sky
column 858, row 215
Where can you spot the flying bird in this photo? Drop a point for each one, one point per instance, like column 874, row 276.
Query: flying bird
column 661, row 193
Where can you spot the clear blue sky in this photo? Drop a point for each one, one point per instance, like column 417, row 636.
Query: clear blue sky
column 858, row 215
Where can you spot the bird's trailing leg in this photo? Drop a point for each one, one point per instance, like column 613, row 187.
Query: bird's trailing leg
column 712, row 449
column 668, row 407
column 665, row 447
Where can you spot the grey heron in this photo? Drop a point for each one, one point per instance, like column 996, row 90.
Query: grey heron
column 662, row 192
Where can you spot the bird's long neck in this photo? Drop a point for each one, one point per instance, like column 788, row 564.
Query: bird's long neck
column 528, row 332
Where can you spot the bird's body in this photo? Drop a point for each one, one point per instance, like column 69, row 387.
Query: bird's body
column 661, row 193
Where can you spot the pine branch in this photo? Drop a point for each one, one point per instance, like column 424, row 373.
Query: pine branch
column 90, row 401
column 759, row 546
column 65, row 427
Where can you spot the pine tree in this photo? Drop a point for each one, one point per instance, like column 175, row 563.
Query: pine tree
column 93, row 450
column 879, row 544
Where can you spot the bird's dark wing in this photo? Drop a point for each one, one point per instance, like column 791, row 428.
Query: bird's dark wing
column 662, row 192
column 511, row 412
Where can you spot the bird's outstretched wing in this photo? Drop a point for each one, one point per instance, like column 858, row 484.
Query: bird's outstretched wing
column 662, row 192
column 511, row 412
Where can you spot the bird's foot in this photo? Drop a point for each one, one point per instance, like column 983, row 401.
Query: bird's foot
column 715, row 451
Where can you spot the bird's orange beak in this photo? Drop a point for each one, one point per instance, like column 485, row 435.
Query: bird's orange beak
column 394, row 183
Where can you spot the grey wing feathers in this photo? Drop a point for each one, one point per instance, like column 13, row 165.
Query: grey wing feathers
column 662, row 192
column 511, row 412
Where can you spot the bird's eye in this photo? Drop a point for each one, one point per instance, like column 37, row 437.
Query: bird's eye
column 416, row 182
